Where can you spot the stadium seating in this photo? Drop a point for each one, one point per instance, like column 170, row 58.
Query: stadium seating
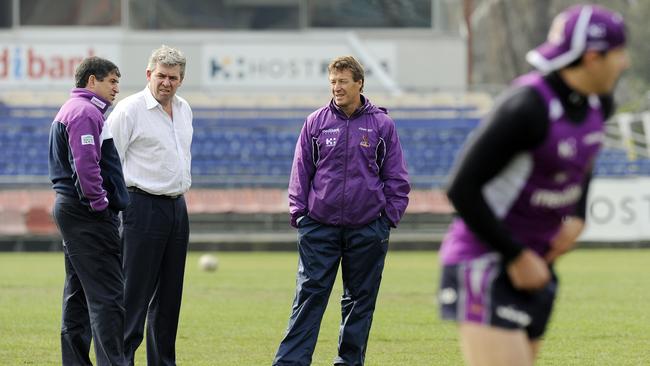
column 241, row 164
column 253, row 147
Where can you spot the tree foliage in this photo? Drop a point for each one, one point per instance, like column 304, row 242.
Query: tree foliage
column 504, row 30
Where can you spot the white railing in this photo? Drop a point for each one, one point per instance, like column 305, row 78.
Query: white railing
column 630, row 132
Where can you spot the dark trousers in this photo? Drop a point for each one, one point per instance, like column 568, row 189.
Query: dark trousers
column 154, row 242
column 361, row 252
column 93, row 301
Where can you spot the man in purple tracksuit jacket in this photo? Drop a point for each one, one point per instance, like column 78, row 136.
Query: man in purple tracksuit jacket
column 348, row 187
column 86, row 174
column 520, row 189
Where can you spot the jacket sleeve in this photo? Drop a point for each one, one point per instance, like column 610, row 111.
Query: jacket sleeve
column 395, row 177
column 84, row 138
column 302, row 173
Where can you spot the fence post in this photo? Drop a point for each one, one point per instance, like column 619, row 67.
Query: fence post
column 624, row 121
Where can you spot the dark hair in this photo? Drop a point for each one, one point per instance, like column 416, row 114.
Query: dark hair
column 94, row 65
column 348, row 63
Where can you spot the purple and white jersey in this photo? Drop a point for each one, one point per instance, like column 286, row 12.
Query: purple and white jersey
column 540, row 186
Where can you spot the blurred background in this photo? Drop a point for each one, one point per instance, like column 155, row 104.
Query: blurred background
column 257, row 68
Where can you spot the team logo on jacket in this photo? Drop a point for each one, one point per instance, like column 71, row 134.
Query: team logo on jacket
column 364, row 141
column 330, row 141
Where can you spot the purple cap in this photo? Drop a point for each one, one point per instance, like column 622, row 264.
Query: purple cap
column 574, row 31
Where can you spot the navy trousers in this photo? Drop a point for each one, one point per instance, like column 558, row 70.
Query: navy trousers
column 93, row 301
column 361, row 253
column 155, row 236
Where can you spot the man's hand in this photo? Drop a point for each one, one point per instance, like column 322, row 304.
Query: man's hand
column 565, row 238
column 528, row 271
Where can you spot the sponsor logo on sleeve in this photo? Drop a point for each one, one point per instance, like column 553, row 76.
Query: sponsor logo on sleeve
column 87, row 140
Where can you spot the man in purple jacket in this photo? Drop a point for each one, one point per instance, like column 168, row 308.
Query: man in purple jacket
column 520, row 189
column 348, row 187
column 86, row 174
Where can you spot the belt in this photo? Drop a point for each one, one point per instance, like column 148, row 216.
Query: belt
column 138, row 190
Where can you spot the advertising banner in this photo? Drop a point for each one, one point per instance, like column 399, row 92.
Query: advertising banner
column 43, row 65
column 272, row 66
column 618, row 210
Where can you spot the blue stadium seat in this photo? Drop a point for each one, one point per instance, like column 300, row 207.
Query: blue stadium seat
column 254, row 147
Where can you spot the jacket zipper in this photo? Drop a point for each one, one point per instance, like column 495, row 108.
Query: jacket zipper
column 345, row 167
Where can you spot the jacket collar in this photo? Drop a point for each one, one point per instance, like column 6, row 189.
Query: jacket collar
column 365, row 104
column 99, row 102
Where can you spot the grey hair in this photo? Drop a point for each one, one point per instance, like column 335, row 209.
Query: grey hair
column 167, row 56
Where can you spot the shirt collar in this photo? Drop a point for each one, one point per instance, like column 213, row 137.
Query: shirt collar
column 151, row 101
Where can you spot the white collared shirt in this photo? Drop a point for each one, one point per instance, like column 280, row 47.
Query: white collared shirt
column 153, row 148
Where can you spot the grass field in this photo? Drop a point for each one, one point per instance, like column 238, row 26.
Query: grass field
column 237, row 315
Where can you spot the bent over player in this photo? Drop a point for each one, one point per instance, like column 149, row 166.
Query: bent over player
column 520, row 189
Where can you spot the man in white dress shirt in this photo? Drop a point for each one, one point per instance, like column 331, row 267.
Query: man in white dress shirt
column 152, row 131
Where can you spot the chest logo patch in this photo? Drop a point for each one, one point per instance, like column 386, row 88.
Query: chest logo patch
column 364, row 141
column 330, row 141
column 567, row 148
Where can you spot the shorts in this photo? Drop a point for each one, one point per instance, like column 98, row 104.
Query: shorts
column 480, row 291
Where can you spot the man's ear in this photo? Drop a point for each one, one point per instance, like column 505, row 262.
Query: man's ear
column 590, row 56
column 91, row 81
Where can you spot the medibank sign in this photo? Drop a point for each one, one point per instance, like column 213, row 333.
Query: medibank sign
column 47, row 64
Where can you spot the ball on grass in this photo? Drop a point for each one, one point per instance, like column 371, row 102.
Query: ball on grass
column 208, row 263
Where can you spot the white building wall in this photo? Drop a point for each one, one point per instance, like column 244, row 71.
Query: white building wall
column 41, row 58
